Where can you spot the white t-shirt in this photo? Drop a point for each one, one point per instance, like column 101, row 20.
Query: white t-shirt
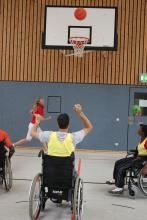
column 78, row 136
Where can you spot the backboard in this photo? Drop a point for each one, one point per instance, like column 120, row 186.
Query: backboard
column 100, row 26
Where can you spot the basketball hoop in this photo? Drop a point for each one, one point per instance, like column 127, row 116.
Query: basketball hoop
column 78, row 44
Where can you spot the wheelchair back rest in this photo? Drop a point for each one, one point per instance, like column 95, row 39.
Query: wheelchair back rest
column 58, row 172
column 2, row 153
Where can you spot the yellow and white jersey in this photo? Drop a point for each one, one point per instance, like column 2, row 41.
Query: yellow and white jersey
column 142, row 148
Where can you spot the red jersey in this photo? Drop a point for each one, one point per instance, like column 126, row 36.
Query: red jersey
column 5, row 138
column 39, row 111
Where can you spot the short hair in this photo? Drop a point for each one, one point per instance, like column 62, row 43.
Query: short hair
column 63, row 121
column 144, row 129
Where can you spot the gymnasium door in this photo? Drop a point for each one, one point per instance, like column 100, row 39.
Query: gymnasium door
column 138, row 96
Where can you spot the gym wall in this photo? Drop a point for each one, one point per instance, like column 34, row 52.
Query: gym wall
column 102, row 104
column 23, row 59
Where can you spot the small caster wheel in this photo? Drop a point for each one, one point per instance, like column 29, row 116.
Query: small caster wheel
column 131, row 193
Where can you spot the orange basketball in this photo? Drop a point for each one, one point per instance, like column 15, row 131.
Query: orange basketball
column 80, row 13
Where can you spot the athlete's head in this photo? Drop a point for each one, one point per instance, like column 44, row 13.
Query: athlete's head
column 63, row 121
column 39, row 101
column 143, row 130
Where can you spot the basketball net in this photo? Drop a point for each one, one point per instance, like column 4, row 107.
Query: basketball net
column 78, row 44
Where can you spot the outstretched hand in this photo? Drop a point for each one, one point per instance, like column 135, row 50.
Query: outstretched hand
column 49, row 116
column 77, row 108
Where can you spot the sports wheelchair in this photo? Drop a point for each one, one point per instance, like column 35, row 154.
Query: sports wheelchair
column 135, row 179
column 5, row 168
column 58, row 181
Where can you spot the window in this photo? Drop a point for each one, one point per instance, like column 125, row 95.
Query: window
column 141, row 100
column 54, row 104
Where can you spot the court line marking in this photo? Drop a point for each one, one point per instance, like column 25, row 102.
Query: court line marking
column 96, row 183
column 84, row 158
column 22, row 201
column 77, row 150
column 123, row 206
column 21, row 179
column 79, row 166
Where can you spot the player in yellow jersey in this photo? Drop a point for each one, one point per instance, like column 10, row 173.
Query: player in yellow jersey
column 62, row 143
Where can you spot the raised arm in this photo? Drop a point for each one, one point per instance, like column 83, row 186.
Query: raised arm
column 42, row 118
column 45, row 119
column 88, row 125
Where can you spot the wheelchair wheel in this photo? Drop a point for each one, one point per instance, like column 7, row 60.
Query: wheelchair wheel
column 142, row 183
column 78, row 199
column 133, row 191
column 34, row 197
column 7, row 174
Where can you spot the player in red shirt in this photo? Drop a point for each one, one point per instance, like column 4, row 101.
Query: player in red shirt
column 6, row 142
column 37, row 109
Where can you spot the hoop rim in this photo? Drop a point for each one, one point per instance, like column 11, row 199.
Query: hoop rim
column 78, row 44
column 75, row 40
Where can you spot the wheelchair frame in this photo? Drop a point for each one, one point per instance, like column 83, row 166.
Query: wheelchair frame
column 37, row 198
column 6, row 172
column 135, row 179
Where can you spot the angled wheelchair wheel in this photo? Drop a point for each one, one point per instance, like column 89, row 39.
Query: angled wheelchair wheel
column 7, row 174
column 34, row 197
column 78, row 199
column 133, row 191
column 142, row 183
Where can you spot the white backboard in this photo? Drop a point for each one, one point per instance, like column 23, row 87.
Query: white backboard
column 99, row 26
